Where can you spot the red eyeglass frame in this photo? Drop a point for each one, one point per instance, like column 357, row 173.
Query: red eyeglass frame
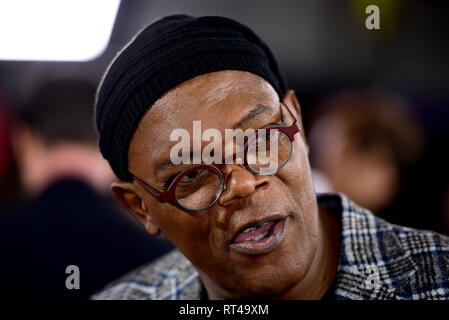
column 170, row 195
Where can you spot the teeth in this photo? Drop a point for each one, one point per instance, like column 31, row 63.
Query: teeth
column 260, row 236
column 254, row 228
column 250, row 229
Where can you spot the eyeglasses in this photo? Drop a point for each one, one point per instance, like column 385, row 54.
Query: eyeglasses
column 200, row 186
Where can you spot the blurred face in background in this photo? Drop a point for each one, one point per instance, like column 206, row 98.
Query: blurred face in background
column 370, row 177
column 42, row 163
column 362, row 142
column 55, row 139
column 206, row 237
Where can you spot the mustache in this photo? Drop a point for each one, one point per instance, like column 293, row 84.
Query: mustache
column 252, row 207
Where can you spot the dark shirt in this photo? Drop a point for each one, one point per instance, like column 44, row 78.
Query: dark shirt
column 70, row 224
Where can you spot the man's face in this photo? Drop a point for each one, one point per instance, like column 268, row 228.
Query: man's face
column 221, row 100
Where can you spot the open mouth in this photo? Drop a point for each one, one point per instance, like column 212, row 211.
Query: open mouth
column 256, row 233
column 261, row 239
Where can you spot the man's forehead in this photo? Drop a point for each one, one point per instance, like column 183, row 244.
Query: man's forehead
column 220, row 100
column 215, row 96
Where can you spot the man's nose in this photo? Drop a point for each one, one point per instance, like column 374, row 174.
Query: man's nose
column 240, row 183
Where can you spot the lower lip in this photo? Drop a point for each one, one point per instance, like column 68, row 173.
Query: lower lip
column 265, row 245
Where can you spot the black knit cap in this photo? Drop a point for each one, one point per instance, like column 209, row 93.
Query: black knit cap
column 163, row 55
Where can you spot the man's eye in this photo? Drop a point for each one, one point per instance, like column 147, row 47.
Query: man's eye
column 192, row 176
column 167, row 182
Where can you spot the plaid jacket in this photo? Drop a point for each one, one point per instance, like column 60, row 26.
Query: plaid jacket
column 378, row 260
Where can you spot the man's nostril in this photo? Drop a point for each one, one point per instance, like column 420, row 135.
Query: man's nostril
column 263, row 184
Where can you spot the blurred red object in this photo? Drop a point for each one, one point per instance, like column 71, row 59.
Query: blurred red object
column 5, row 142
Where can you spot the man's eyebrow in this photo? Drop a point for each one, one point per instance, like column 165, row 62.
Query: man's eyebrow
column 164, row 165
column 167, row 164
column 260, row 108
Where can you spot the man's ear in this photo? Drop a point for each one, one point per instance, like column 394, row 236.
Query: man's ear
column 294, row 108
column 126, row 194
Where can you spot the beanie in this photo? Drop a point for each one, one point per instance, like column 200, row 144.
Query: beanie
column 166, row 53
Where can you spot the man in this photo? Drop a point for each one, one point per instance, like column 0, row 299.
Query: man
column 243, row 234
column 67, row 222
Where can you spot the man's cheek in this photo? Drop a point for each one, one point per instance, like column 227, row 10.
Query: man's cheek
column 298, row 172
column 188, row 234
column 293, row 177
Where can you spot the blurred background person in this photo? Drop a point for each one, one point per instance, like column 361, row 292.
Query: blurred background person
column 363, row 143
column 67, row 219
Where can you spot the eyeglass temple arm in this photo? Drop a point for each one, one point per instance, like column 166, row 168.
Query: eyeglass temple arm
column 156, row 194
